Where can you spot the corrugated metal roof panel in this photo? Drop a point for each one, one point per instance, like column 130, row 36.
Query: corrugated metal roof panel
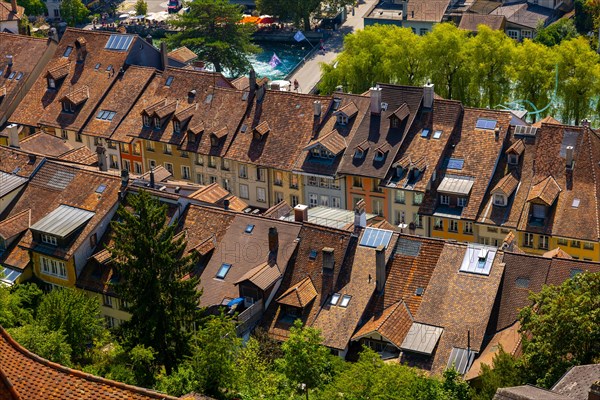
column 9, row 182
column 453, row 184
column 422, row 338
column 63, row 221
column 461, row 359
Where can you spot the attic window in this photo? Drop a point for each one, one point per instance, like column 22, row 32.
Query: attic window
column 358, row 153
column 68, row 51
column 437, row 134
column 424, row 133
column 334, row 299
column 342, row 119
column 419, row 291
column 249, row 228
column 101, row 189
column 345, row 300
column 244, row 128
column 222, row 273
column 379, row 155
column 109, row 68
column 169, row 81
column 456, row 163
column 384, row 106
column 19, row 76
column 106, row 115
column 97, row 66
column 484, row 123
column 51, row 83
column 312, row 255
column 575, row 203
column 146, row 120
column 67, row 106
column 513, row 158
column 176, row 126
column 156, row 123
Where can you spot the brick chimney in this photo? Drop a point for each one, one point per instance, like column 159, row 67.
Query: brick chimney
column 273, row 240
column 163, row 56
column 13, row 4
column 380, row 268
column 375, row 93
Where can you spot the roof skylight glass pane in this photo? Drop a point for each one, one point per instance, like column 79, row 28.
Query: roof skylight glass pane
column 313, row 254
column 456, row 163
column 68, row 51
column 249, row 228
column 101, row 189
column 222, row 273
column 483, row 123
column 345, row 300
column 424, row 133
column 437, row 134
column 169, row 81
column 334, row 299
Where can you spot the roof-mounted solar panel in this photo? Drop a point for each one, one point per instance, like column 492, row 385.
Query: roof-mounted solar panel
column 374, row 238
column 119, row 42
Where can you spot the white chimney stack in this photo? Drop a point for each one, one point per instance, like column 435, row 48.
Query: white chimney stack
column 360, row 215
column 301, row 213
column 317, row 108
column 569, row 157
column 428, row 95
column 375, row 93
column 13, row 135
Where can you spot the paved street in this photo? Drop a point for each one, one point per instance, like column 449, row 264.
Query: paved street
column 309, row 74
column 154, row 6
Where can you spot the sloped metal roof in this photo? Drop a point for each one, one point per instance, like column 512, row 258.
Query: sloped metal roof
column 422, row 338
column 453, row 184
column 63, row 221
column 9, row 182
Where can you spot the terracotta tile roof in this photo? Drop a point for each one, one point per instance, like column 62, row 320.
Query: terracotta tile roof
column 312, row 238
column 202, row 223
column 78, row 96
column 244, row 251
column 337, row 323
column 471, row 21
column 19, row 162
column 262, row 276
column 545, row 191
column 292, row 123
column 525, row 273
column 480, row 151
column 55, row 148
column 350, row 110
column 507, row 185
column 577, row 381
column 458, row 302
column 7, row 14
column 307, row 163
column 517, row 147
column 16, row 257
column 546, row 120
column 30, row 376
column 55, row 184
column 375, row 130
column 216, row 108
column 557, row 253
column 42, row 106
column 120, row 98
column 183, row 54
column 299, row 295
column 15, row 225
column 393, row 324
column 425, row 153
column 27, row 53
column 401, row 112
column 426, row 10
column 215, row 194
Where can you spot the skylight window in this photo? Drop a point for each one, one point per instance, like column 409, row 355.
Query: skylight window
column 109, row 68
column 437, row 134
column 101, row 188
column 456, row 163
column 249, row 228
column 105, row 115
column 222, row 273
column 68, row 51
column 19, row 76
column 334, row 299
column 244, row 128
column 424, row 133
column 419, row 291
column 484, row 123
column 209, row 98
column 345, row 300
column 97, row 66
column 575, row 203
column 374, row 238
column 169, row 81
column 12, row 75
column 313, row 254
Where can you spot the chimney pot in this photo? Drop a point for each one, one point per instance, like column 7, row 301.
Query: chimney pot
column 428, row 94
column 360, row 215
column 9, row 60
column 317, row 108
column 301, row 213
column 375, row 93
column 163, row 56
column 152, row 184
column 569, row 157
column 226, row 204
column 273, row 240
column 149, row 39
column 497, row 133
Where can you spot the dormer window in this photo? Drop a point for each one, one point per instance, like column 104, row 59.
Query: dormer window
column 146, row 120
column 176, row 126
column 156, row 123
column 513, row 158
column 379, row 155
column 67, row 106
column 214, row 140
column 499, row 200
column 342, row 119
column 49, row 239
column 359, row 153
column 51, row 83
column 394, row 122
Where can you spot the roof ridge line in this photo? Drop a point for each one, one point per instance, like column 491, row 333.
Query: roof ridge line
column 595, row 185
column 78, row 373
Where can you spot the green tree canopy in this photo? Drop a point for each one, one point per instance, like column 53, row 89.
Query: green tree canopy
column 505, row 371
column 75, row 314
column 212, row 30
column 299, row 11
column 152, row 268
column 561, row 329
column 141, row 7
column 73, row 12
column 46, row 343
column 33, row 7
column 551, row 35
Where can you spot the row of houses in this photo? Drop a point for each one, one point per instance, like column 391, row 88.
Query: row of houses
column 430, row 166
column 429, row 302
